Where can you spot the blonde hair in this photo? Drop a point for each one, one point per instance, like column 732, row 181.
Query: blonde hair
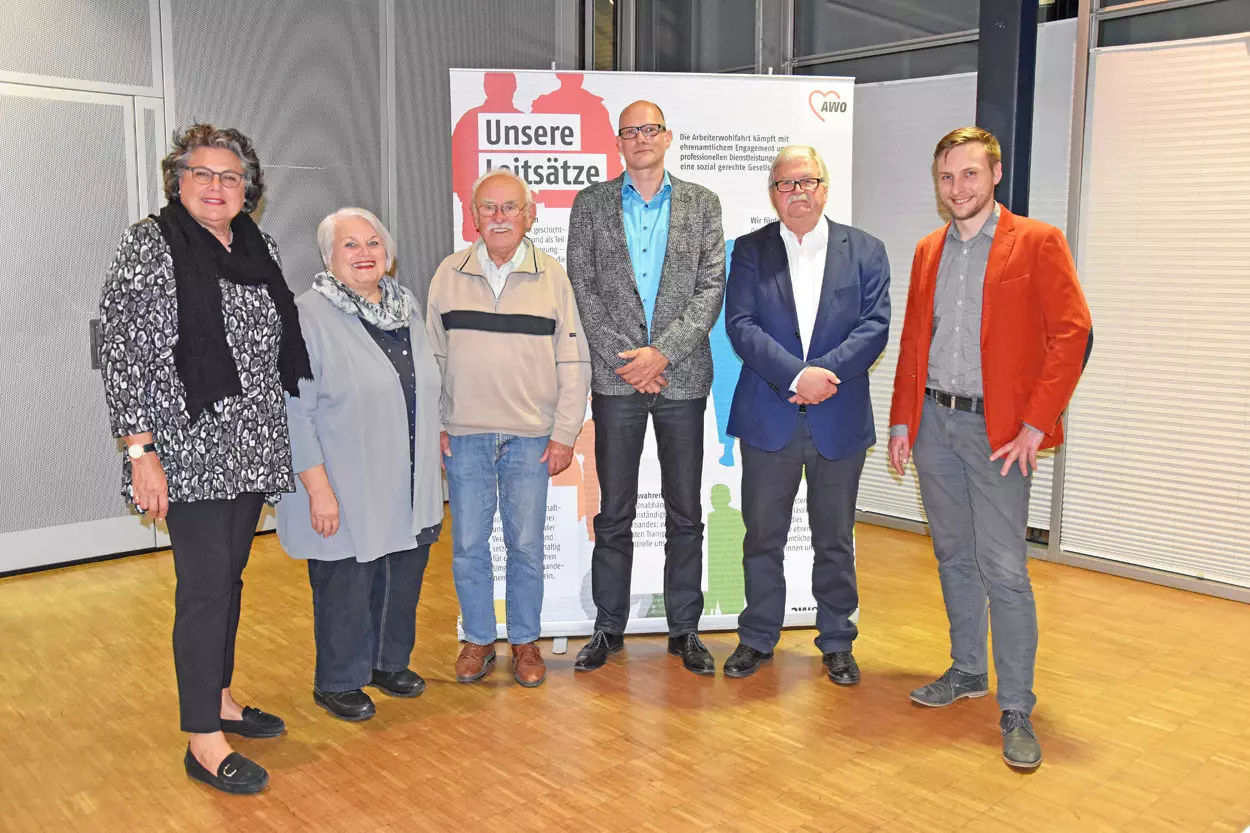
column 966, row 135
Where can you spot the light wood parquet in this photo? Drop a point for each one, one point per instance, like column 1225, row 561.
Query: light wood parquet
column 1143, row 715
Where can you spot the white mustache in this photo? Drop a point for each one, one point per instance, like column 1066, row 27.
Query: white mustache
column 499, row 227
column 793, row 198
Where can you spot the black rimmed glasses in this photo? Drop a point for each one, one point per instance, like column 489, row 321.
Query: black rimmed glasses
column 648, row 130
column 203, row 176
column 809, row 183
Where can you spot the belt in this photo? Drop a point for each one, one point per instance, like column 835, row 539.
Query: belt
column 971, row 404
column 802, row 409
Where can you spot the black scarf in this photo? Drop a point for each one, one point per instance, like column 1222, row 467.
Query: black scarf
column 202, row 357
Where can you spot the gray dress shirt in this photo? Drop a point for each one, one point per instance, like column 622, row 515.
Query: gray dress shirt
column 955, row 352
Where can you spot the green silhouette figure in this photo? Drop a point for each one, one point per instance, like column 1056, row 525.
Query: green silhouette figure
column 726, row 585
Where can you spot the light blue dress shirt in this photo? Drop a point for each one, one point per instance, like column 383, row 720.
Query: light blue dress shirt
column 646, row 236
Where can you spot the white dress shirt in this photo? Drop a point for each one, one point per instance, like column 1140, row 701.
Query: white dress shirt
column 807, row 275
column 497, row 276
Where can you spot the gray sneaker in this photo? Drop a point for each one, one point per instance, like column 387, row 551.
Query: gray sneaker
column 952, row 686
column 1020, row 746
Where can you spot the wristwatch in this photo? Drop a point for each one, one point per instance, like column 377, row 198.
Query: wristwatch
column 136, row 451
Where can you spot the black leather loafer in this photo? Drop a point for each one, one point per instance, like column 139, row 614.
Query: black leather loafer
column 236, row 775
column 694, row 654
column 843, row 669
column 406, row 683
column 595, row 652
column 352, row 706
column 745, row 661
column 255, row 724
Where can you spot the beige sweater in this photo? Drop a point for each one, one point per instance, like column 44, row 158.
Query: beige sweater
column 516, row 364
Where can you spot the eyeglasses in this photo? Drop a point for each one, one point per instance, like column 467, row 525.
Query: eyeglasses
column 648, row 130
column 204, row 176
column 810, row 183
column 509, row 209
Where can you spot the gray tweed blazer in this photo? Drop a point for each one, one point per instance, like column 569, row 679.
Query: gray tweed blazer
column 692, row 287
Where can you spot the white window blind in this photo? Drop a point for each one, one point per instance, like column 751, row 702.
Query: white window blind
column 897, row 124
column 1160, row 424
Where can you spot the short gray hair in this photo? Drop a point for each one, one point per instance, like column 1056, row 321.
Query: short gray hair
column 790, row 153
column 186, row 142
column 507, row 173
column 325, row 234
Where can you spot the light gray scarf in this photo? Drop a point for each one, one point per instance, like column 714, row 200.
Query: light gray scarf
column 391, row 313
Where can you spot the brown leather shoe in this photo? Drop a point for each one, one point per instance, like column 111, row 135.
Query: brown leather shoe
column 527, row 665
column 474, row 662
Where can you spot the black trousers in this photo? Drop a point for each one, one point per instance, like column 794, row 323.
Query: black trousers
column 620, row 428
column 770, row 482
column 211, row 541
column 365, row 616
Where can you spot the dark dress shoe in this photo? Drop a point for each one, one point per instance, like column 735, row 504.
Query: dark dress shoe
column 843, row 669
column 595, row 652
column 352, row 705
column 255, row 724
column 745, row 661
column 235, row 774
column 694, row 654
column 404, row 683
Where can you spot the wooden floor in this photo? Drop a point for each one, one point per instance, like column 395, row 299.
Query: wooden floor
column 1144, row 716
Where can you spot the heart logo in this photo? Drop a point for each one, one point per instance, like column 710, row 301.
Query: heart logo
column 811, row 100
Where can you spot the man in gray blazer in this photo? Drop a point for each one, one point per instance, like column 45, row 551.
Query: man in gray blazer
column 646, row 257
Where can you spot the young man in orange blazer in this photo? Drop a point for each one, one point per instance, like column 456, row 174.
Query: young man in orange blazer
column 993, row 343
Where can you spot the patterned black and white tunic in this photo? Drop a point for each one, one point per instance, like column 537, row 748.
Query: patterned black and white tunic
column 240, row 444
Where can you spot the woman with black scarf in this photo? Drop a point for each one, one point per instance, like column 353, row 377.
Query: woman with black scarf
column 201, row 339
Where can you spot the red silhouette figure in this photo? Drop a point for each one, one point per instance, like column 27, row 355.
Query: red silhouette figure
column 585, row 476
column 598, row 135
column 499, row 87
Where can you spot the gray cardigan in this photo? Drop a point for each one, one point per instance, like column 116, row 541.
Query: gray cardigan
column 352, row 417
column 692, row 286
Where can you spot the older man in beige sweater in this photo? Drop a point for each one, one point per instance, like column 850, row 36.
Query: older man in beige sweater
column 504, row 326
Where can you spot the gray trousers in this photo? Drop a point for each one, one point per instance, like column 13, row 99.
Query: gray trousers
column 977, row 518
column 770, row 482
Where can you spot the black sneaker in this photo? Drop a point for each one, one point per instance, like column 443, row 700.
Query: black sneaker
column 745, row 661
column 353, row 706
column 595, row 652
column 406, row 683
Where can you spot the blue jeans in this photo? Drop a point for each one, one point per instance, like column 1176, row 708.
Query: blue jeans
column 486, row 471
column 977, row 518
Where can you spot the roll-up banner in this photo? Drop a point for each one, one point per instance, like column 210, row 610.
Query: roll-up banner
column 557, row 130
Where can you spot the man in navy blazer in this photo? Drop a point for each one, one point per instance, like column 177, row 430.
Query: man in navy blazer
column 807, row 308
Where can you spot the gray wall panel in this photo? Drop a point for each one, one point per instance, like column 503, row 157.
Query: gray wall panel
column 429, row 39
column 101, row 42
column 62, row 467
column 303, row 81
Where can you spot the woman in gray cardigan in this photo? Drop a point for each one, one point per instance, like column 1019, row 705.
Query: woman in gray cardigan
column 364, row 513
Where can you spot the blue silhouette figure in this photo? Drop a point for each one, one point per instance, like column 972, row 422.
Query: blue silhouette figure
column 725, row 369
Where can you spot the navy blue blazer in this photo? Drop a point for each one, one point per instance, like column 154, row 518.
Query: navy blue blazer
column 852, row 328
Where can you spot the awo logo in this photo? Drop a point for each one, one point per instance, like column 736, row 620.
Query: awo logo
column 826, row 103
column 803, row 609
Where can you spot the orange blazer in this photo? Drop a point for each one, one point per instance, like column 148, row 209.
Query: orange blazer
column 1034, row 328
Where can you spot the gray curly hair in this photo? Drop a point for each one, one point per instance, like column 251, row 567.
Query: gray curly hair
column 206, row 136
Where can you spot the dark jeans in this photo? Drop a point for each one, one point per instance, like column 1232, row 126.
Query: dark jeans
column 364, row 616
column 770, row 482
column 211, row 540
column 620, row 427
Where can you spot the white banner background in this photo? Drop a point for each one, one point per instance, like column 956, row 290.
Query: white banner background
column 558, row 128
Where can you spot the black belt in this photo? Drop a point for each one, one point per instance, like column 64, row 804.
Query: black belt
column 802, row 409
column 971, row 404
